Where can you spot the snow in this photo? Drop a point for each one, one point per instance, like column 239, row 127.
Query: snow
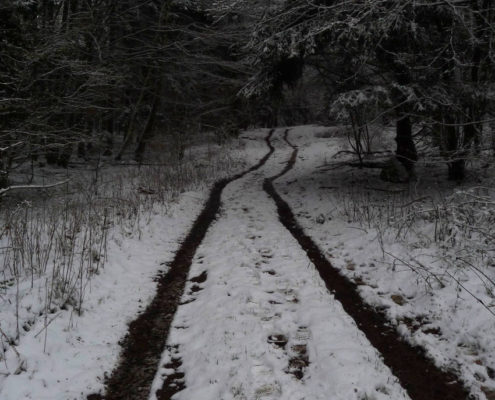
column 260, row 285
column 81, row 349
column 70, row 358
column 333, row 208
column 261, row 288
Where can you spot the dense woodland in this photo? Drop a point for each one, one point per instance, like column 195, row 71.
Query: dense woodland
column 117, row 117
column 105, row 76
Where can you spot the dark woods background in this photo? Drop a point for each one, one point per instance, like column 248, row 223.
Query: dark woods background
column 86, row 77
column 110, row 74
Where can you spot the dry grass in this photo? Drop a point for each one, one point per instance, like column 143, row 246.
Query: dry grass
column 55, row 243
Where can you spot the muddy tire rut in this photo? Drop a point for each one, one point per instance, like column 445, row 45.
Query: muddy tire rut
column 147, row 335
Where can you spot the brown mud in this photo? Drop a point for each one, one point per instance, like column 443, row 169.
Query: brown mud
column 417, row 374
column 147, row 335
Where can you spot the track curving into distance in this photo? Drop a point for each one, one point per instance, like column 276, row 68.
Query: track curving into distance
column 416, row 373
column 147, row 336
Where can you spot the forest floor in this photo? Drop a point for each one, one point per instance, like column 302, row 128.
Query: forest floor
column 277, row 291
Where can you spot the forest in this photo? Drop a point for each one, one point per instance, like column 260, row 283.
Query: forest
column 247, row 199
column 82, row 77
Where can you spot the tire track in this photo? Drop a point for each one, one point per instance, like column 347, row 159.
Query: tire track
column 417, row 374
column 144, row 343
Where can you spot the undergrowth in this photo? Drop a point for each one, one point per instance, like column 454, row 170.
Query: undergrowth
column 53, row 245
column 459, row 225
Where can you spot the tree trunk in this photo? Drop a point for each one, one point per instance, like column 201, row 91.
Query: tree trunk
column 406, row 149
column 132, row 121
column 492, row 135
column 147, row 131
column 457, row 170
column 457, row 166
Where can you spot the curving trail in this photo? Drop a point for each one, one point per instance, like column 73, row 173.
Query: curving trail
column 251, row 310
column 143, row 345
column 261, row 323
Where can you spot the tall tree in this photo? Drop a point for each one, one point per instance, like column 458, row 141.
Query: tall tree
column 428, row 57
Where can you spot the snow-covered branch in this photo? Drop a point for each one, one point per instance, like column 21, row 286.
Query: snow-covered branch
column 30, row 187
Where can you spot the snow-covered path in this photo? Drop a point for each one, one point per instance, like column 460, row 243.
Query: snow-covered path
column 263, row 325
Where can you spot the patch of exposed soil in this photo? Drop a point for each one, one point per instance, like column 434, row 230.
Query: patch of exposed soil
column 278, row 340
column 196, row 288
column 417, row 374
column 143, row 345
column 200, row 278
column 173, row 382
column 299, row 361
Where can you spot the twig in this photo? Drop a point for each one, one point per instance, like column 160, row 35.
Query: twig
column 8, row 341
column 366, row 164
column 470, row 293
column 47, row 324
column 366, row 153
column 412, row 268
column 439, row 281
column 2, row 149
column 8, row 189
column 477, row 269
column 415, row 201
column 385, row 190
column 355, row 227
column 331, row 166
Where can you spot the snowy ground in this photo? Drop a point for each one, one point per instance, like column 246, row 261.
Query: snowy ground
column 260, row 289
column 262, row 325
column 70, row 358
column 435, row 301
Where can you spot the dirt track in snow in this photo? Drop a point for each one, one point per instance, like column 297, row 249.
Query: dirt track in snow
column 147, row 336
column 416, row 373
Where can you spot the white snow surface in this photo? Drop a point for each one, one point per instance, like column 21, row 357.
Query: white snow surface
column 70, row 358
column 80, row 349
column 260, row 284
column 457, row 332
